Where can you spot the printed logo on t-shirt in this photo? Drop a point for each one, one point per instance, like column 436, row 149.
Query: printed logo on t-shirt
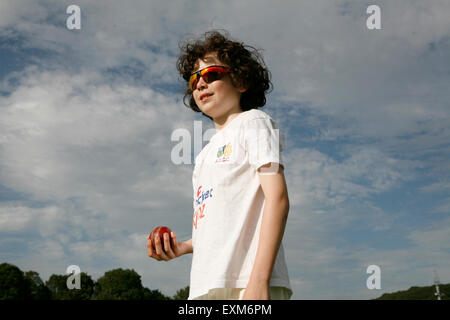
column 224, row 153
column 200, row 202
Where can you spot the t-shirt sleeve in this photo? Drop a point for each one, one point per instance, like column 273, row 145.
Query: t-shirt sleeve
column 264, row 144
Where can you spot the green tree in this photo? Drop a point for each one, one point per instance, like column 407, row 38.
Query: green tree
column 182, row 294
column 418, row 293
column 119, row 284
column 57, row 284
column 39, row 290
column 13, row 284
column 154, row 295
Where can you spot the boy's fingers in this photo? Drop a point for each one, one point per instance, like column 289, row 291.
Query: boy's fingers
column 159, row 250
column 157, row 246
column 166, row 242
column 167, row 246
column 167, row 249
column 174, row 243
column 174, row 239
column 150, row 250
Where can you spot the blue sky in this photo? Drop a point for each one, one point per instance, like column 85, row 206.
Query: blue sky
column 86, row 118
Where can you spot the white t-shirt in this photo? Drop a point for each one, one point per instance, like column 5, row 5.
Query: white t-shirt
column 228, row 204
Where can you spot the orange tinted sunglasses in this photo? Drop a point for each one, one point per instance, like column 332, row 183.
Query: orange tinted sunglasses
column 209, row 74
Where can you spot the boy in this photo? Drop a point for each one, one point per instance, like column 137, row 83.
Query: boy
column 241, row 202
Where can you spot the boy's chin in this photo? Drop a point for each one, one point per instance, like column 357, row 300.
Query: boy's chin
column 209, row 112
column 206, row 113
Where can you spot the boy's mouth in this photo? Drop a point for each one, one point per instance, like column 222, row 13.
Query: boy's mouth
column 205, row 96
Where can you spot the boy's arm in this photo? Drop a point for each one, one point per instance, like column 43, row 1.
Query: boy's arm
column 189, row 248
column 180, row 248
column 273, row 223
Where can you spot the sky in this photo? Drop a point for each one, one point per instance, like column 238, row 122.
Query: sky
column 87, row 115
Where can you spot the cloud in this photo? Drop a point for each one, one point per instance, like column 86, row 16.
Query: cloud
column 324, row 264
column 101, row 154
column 323, row 182
column 55, row 123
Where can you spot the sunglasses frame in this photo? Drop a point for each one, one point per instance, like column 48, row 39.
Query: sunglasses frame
column 200, row 73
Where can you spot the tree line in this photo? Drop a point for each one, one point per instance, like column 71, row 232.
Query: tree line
column 418, row 293
column 117, row 284
column 125, row 284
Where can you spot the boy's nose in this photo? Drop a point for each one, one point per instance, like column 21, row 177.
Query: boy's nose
column 201, row 83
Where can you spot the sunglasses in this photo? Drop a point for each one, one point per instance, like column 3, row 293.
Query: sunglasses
column 209, row 74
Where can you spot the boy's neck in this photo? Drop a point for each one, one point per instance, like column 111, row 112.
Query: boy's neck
column 222, row 121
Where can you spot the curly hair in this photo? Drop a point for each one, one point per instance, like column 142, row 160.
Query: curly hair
column 248, row 69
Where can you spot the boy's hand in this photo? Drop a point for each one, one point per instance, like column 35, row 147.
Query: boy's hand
column 256, row 290
column 167, row 250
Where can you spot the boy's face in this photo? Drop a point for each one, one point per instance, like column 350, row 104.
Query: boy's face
column 220, row 97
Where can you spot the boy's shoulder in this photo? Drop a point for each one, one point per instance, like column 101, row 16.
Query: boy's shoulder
column 243, row 121
column 254, row 114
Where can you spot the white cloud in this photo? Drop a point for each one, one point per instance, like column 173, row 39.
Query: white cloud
column 436, row 187
column 322, row 263
column 319, row 181
column 63, row 134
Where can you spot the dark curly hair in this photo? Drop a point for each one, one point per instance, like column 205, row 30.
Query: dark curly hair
column 246, row 63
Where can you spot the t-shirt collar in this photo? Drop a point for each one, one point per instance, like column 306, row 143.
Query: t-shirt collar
column 228, row 125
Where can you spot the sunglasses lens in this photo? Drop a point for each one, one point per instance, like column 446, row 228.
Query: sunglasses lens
column 208, row 74
column 212, row 76
column 193, row 82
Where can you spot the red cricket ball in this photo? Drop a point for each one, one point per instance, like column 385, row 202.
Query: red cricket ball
column 159, row 232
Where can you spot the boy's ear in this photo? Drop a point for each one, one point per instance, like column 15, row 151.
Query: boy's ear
column 242, row 87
